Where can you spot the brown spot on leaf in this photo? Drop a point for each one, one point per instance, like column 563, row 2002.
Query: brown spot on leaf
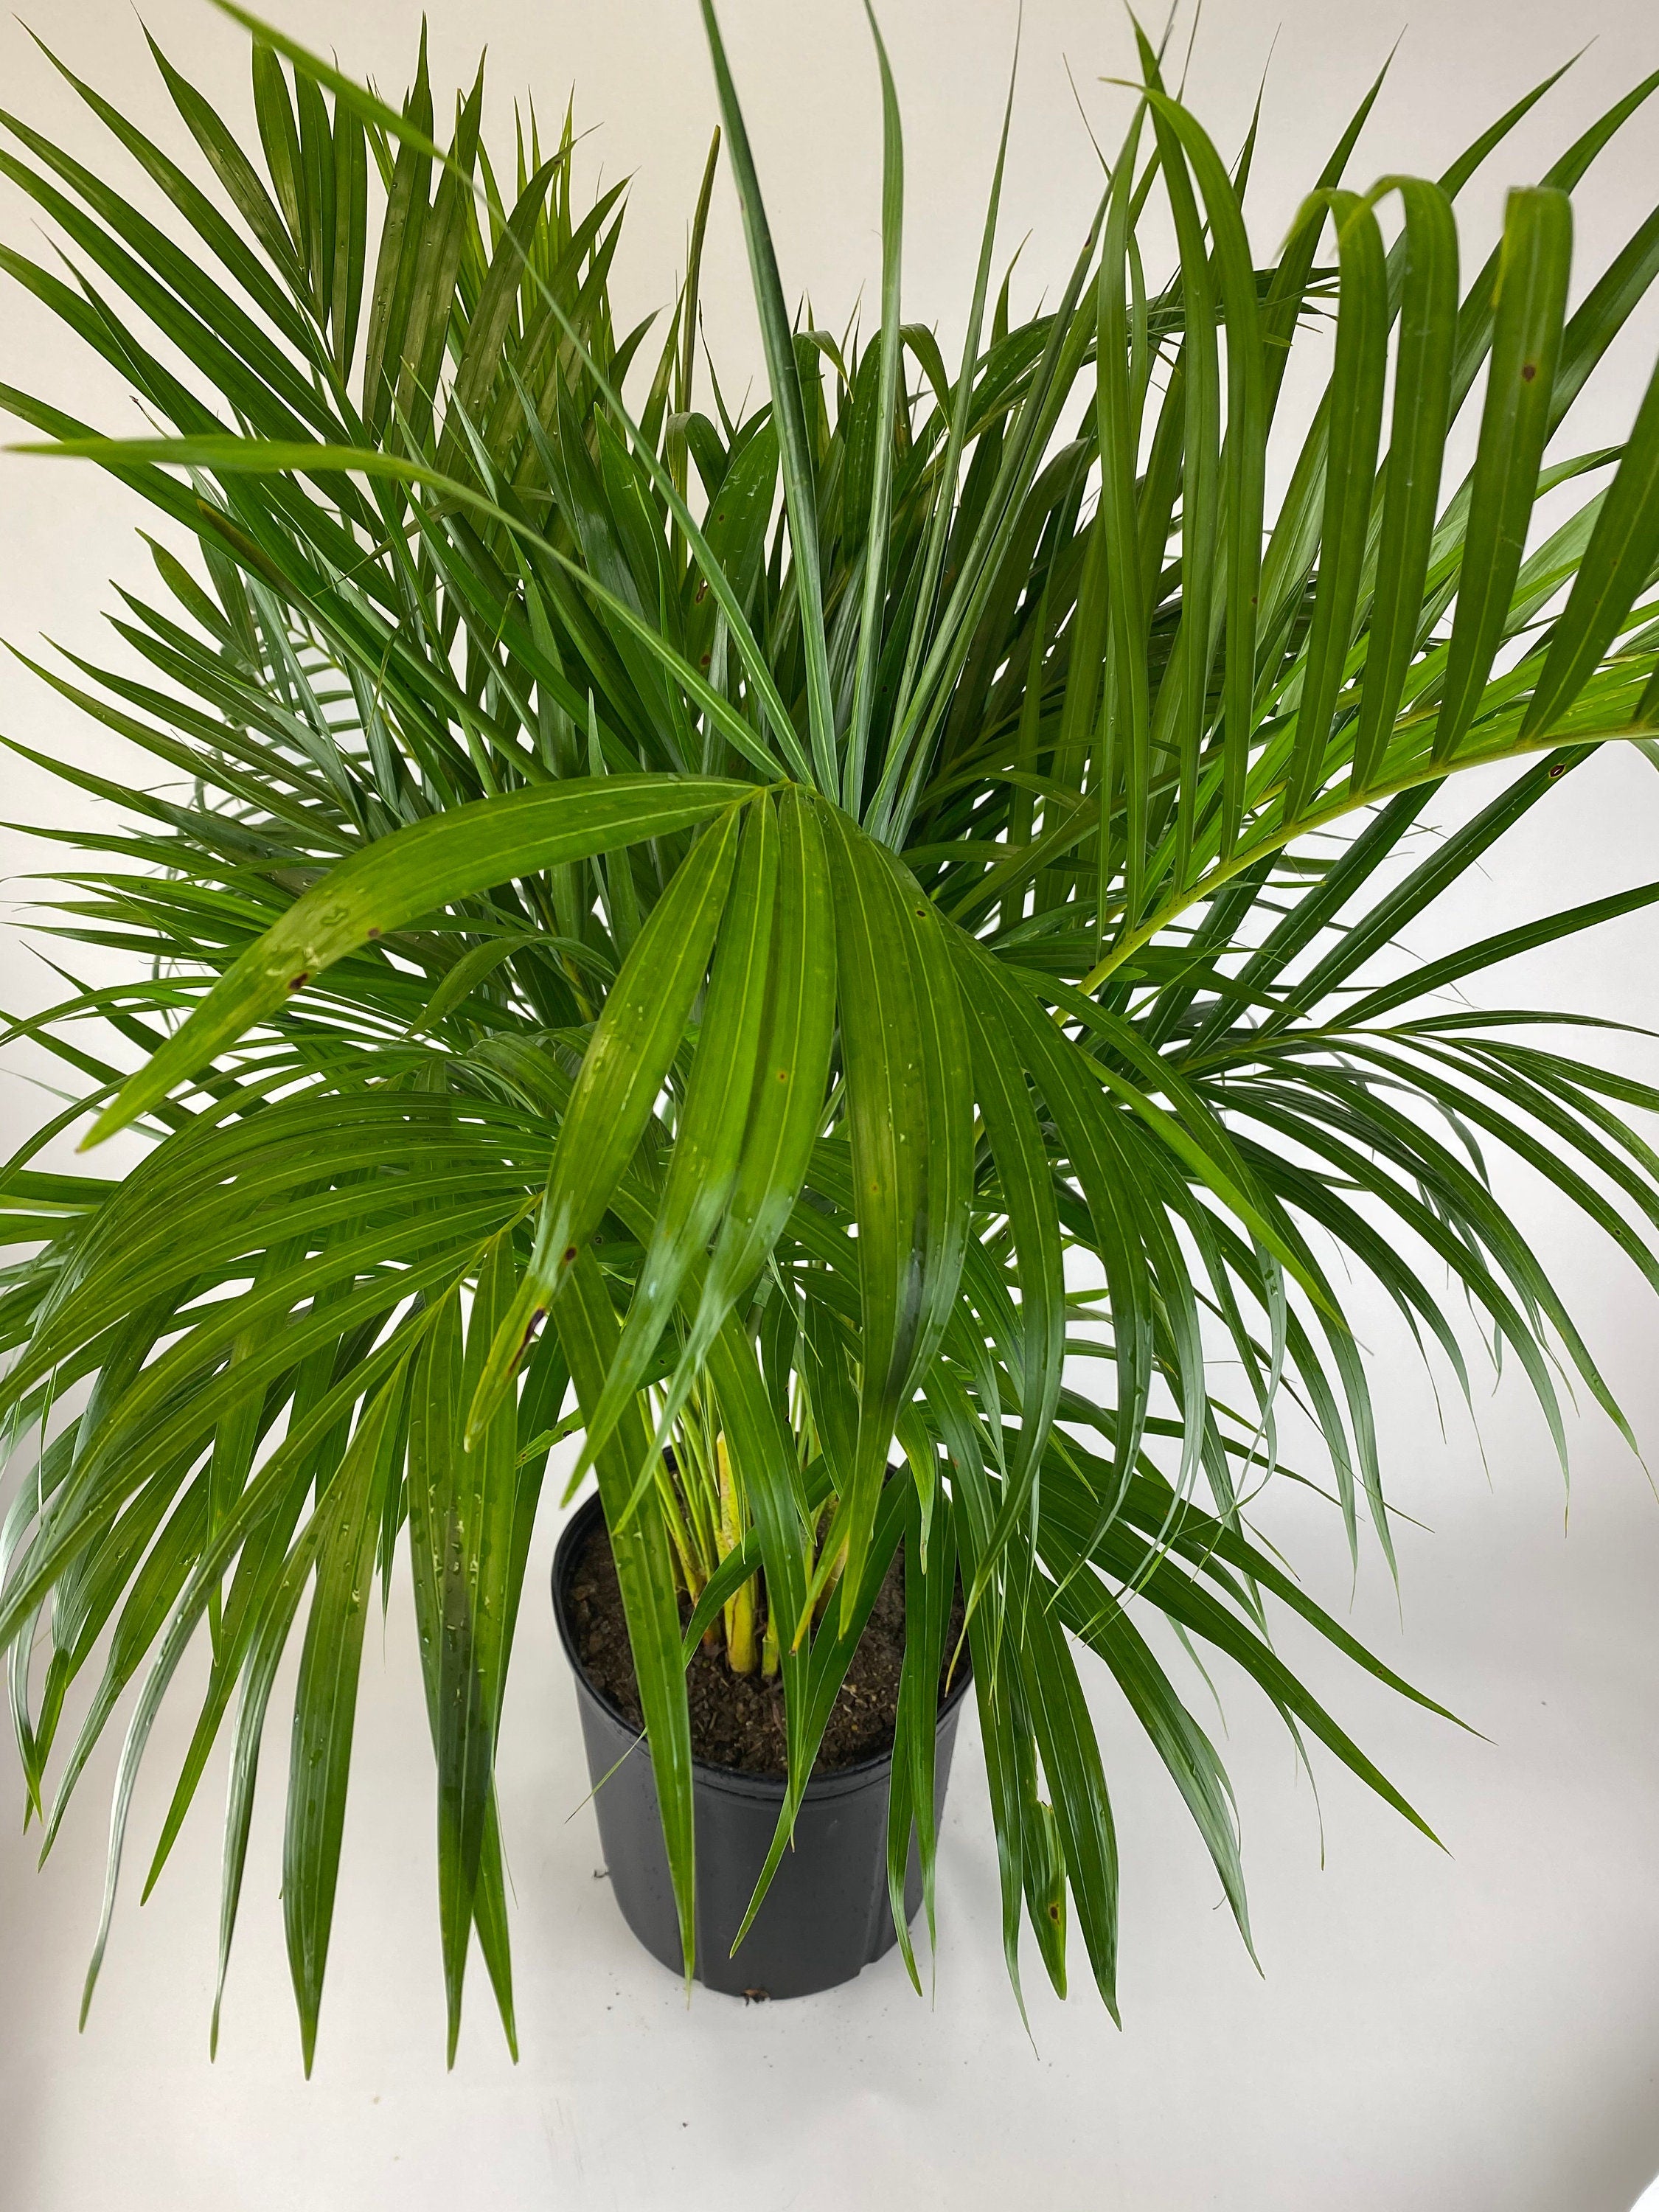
column 531, row 1326
column 569, row 1255
column 373, row 934
column 1560, row 769
column 298, row 982
column 1529, row 370
column 783, row 1075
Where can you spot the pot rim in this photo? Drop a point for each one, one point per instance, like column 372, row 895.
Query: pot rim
column 838, row 1782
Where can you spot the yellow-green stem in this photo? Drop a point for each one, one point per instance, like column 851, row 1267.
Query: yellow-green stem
column 741, row 1654
column 1344, row 803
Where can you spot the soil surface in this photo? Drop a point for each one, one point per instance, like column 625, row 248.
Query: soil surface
column 736, row 1720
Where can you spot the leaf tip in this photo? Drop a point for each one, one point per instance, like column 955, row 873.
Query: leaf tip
column 114, row 1116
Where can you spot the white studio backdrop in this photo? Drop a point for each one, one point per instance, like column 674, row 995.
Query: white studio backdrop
column 1474, row 2028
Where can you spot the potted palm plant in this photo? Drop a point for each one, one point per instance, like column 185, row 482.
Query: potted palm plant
column 758, row 938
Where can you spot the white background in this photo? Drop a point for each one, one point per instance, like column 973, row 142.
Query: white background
column 1476, row 2028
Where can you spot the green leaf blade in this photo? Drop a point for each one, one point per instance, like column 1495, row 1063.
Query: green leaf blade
column 426, row 865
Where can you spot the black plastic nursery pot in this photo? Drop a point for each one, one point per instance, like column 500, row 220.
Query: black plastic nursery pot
column 827, row 1914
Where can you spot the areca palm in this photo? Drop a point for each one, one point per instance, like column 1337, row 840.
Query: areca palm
column 663, row 922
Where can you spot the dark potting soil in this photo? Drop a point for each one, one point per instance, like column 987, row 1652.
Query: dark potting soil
column 736, row 1720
